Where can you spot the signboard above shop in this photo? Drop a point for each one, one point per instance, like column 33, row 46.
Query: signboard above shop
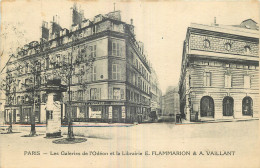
column 105, row 103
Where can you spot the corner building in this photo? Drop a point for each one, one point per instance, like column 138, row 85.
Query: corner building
column 116, row 88
column 220, row 72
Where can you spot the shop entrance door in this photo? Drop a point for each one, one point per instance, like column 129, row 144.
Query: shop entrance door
column 14, row 116
column 228, row 106
column 116, row 114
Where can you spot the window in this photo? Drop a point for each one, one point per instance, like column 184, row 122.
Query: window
column 116, row 93
column 246, row 66
column 80, row 79
column 80, row 95
column 228, row 106
column 115, row 72
column 246, row 81
column 18, row 100
column 122, row 93
column 206, row 43
column 27, row 82
column 38, row 66
column 228, row 81
column 227, row 65
column 47, row 63
column 38, row 81
column 94, row 77
column 26, row 68
column 95, row 93
column 44, row 98
column 247, row 106
column 93, row 50
column 207, row 78
column 252, row 67
column 131, row 58
column 73, row 95
column 247, row 50
column 116, row 49
column 58, row 58
column 134, row 82
column 239, row 66
column 22, row 99
column 206, row 107
column 228, row 46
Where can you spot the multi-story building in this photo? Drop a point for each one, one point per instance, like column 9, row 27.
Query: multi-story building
column 220, row 72
column 170, row 102
column 156, row 94
column 114, row 87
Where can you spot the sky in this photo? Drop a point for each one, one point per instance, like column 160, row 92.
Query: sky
column 161, row 25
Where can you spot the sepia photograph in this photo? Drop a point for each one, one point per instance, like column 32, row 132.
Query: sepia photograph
column 129, row 84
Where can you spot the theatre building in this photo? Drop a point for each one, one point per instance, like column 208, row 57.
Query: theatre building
column 220, row 72
column 114, row 87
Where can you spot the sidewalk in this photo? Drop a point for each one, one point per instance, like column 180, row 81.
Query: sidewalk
column 77, row 124
column 216, row 121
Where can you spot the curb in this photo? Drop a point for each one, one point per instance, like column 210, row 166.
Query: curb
column 216, row 121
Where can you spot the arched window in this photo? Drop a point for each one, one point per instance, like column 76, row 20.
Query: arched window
column 247, row 49
column 206, row 43
column 247, row 106
column 206, row 107
column 227, row 46
column 228, row 106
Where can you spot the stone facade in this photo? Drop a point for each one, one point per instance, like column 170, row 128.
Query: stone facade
column 156, row 93
column 115, row 87
column 171, row 103
column 220, row 73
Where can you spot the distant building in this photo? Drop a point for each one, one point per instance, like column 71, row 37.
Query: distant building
column 170, row 102
column 156, row 94
column 220, row 72
column 2, row 103
column 116, row 88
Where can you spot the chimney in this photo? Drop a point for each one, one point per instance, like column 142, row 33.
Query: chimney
column 215, row 20
column 45, row 30
column 131, row 20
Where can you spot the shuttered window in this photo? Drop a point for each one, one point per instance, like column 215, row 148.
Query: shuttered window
column 116, row 49
column 115, row 72
column 116, row 93
column 207, row 78
column 93, row 51
column 95, row 93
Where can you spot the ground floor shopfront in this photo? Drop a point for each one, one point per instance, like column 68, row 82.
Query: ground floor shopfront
column 92, row 111
column 202, row 106
column 106, row 111
column 21, row 114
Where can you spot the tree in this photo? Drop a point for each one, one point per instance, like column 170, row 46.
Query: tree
column 67, row 69
column 33, row 88
column 12, row 37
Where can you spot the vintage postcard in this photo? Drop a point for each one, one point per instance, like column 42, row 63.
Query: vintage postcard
column 104, row 84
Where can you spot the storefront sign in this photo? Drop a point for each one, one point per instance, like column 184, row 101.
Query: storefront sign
column 94, row 114
column 110, row 112
column 117, row 103
column 123, row 112
column 96, row 103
